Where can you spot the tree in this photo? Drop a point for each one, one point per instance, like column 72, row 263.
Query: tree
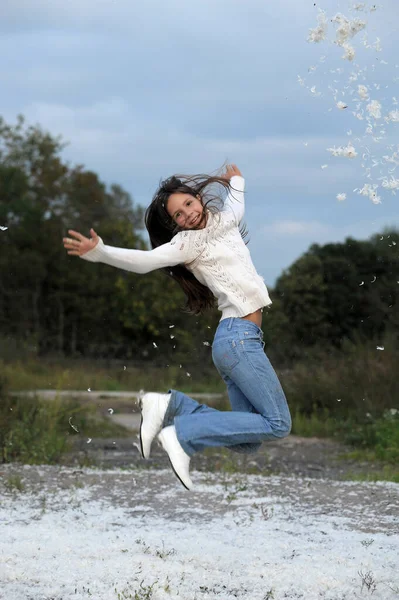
column 301, row 290
column 65, row 305
column 45, row 295
column 342, row 291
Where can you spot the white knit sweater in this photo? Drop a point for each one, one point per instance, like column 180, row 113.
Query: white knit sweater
column 216, row 255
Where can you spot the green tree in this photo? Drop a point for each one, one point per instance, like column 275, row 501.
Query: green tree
column 302, row 290
column 361, row 277
column 64, row 305
column 342, row 291
column 53, row 300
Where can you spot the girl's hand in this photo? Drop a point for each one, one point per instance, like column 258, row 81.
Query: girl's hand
column 78, row 244
column 231, row 171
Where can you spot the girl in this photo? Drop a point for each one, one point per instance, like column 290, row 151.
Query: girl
column 202, row 247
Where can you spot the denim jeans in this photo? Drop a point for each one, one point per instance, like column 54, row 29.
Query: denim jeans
column 259, row 407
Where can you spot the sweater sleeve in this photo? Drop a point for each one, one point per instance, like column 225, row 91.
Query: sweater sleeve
column 178, row 251
column 235, row 198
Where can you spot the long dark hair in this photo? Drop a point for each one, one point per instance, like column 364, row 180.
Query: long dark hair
column 161, row 229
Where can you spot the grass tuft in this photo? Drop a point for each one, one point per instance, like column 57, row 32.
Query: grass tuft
column 36, row 431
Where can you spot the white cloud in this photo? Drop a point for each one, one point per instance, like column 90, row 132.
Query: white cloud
column 296, row 228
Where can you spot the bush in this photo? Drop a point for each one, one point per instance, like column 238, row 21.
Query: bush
column 380, row 435
column 349, row 394
column 348, row 383
column 35, row 431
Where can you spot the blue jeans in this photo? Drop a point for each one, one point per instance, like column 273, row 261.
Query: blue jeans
column 259, row 407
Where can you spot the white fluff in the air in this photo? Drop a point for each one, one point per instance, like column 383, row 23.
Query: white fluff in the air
column 363, row 92
column 347, row 29
column 370, row 190
column 393, row 116
column 391, row 184
column 374, row 108
column 349, row 53
column 314, row 91
column 345, row 151
column 394, row 159
column 319, row 33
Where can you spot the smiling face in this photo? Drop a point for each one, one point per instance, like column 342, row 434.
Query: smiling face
column 186, row 210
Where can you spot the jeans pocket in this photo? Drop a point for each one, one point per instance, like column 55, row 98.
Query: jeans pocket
column 225, row 355
column 252, row 343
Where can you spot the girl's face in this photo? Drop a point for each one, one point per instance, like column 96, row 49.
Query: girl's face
column 186, row 210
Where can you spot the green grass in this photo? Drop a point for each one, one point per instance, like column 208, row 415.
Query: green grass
column 318, row 424
column 36, row 431
column 385, row 473
column 222, row 460
column 37, row 374
column 144, row 592
column 377, row 436
column 14, row 483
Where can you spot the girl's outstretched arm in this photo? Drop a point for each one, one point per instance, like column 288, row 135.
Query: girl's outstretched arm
column 176, row 252
column 235, row 198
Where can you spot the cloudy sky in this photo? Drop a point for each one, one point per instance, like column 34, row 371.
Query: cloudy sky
column 141, row 90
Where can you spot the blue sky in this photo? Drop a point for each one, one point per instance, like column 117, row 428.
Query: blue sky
column 141, row 90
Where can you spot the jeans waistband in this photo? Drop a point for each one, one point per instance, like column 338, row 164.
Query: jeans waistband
column 237, row 323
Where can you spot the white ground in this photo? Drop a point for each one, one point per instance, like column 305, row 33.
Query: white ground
column 116, row 535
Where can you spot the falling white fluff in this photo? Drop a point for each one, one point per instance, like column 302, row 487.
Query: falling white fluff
column 349, row 53
column 369, row 103
column 319, row 33
column 363, row 92
column 346, row 30
column 374, row 109
column 393, row 116
column 370, row 190
column 345, row 151
column 391, row 184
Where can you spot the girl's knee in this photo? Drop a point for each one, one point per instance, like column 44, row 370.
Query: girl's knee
column 281, row 429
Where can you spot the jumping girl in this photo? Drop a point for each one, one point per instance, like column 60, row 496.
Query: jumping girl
column 201, row 245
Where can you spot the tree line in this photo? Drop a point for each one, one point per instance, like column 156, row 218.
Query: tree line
column 61, row 305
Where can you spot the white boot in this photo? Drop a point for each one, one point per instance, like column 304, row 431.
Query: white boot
column 179, row 460
column 153, row 409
